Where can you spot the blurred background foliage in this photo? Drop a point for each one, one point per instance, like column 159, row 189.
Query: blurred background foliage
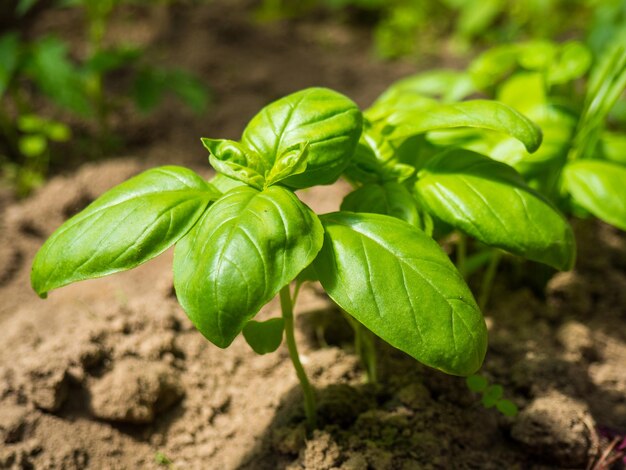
column 414, row 28
column 44, row 85
column 62, row 96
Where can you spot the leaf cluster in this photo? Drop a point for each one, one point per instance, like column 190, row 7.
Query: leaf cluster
column 245, row 235
column 580, row 166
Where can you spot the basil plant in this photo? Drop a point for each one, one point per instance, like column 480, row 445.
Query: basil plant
column 581, row 165
column 245, row 237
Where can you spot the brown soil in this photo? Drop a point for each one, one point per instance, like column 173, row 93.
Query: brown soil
column 111, row 374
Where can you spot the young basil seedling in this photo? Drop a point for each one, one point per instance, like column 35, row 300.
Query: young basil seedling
column 244, row 237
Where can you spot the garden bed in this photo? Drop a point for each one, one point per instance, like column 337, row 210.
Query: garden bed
column 111, row 374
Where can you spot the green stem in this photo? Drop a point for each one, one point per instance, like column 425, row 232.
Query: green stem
column 490, row 273
column 364, row 347
column 286, row 304
column 461, row 253
column 369, row 355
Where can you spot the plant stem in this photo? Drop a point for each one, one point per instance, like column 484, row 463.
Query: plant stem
column 286, row 305
column 369, row 355
column 364, row 347
column 485, row 288
column 461, row 253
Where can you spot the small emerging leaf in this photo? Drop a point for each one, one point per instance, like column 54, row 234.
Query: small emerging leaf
column 235, row 161
column 292, row 161
column 327, row 120
column 264, row 337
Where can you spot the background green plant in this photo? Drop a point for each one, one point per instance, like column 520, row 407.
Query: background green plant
column 410, row 28
column 43, row 68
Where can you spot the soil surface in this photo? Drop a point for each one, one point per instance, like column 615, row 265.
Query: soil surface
column 111, row 374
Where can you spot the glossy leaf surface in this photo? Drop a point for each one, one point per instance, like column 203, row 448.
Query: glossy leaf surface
column 327, row 120
column 600, row 187
column 243, row 250
column 126, row 226
column 388, row 198
column 477, row 113
column 397, row 281
column 490, row 201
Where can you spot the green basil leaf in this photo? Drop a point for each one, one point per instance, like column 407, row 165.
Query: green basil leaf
column 364, row 166
column 377, row 160
column 526, row 92
column 600, row 187
column 445, row 84
column 389, row 198
column 126, row 226
column 244, row 249
column 235, row 161
column 264, row 337
column 482, row 114
column 327, row 120
column 537, row 55
column 491, row 202
column 398, row 282
column 398, row 102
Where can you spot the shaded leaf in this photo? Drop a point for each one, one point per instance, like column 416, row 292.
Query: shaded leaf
column 388, row 198
column 9, row 58
column 599, row 187
column 264, row 337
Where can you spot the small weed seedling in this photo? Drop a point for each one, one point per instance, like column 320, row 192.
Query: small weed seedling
column 491, row 395
column 245, row 236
